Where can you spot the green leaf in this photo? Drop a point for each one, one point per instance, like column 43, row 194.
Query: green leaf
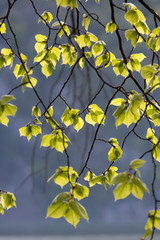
column 147, row 233
column 115, row 152
column 63, row 28
column 29, row 82
column 156, row 119
column 47, row 17
column 75, row 212
column 85, row 22
column 131, row 16
column 95, row 115
column 120, row 114
column 110, row 27
column 6, row 109
column 138, row 56
column 8, row 54
column 30, row 130
column 6, row 98
column 49, row 112
column 1, row 209
column 72, row 217
column 41, row 42
column 110, row 173
column 133, row 36
column 79, row 191
column 133, row 110
column 56, row 139
column 70, row 116
column 148, row 71
column 63, row 175
column 79, row 209
column 2, row 60
column 81, row 62
column 47, row 68
column 137, row 192
column 138, row 187
column 130, row 114
column 137, row 163
column 19, row 70
column 117, row 101
column 57, row 209
column 36, row 111
column 64, row 205
column 153, row 40
column 92, row 179
column 120, row 178
column 122, row 190
column 142, row 27
column 97, row 48
column 92, row 37
column 65, row 3
column 85, row 40
column 119, row 67
column 8, row 200
column 88, row 54
column 40, row 56
column 2, row 28
column 69, row 54
column 104, row 59
column 134, row 64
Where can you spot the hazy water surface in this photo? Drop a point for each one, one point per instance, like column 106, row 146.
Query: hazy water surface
column 84, row 237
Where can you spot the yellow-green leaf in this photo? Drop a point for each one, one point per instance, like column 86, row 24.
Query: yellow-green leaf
column 95, row 115
column 122, row 190
column 46, row 17
column 8, row 200
column 65, row 3
column 70, row 116
column 79, row 191
column 2, row 28
column 110, row 27
column 85, row 22
column 56, row 139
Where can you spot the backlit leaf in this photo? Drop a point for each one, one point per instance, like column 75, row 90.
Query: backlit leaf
column 119, row 67
column 71, row 216
column 120, row 178
column 47, row 17
column 122, row 190
column 142, row 27
column 2, row 28
column 148, row 71
column 56, row 139
column 132, row 35
column 95, row 115
column 30, row 130
column 69, row 55
column 8, row 200
column 70, row 116
column 137, row 163
column 6, row 109
column 111, row 27
column 85, row 22
column 36, row 111
column 97, row 48
column 29, row 82
column 65, row 3
column 79, row 191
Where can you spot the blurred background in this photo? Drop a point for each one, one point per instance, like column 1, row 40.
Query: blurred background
column 25, row 167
